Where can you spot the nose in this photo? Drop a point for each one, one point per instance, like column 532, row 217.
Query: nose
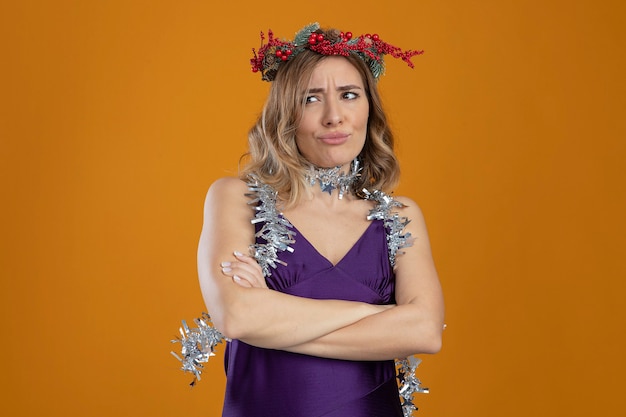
column 332, row 114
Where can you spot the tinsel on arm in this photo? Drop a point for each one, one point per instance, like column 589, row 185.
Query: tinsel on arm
column 197, row 345
column 394, row 223
column 276, row 231
column 408, row 383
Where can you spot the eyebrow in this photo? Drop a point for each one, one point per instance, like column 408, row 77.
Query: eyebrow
column 340, row 88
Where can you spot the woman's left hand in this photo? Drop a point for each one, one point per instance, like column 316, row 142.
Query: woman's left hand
column 245, row 271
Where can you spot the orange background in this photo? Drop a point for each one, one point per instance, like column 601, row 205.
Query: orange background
column 117, row 115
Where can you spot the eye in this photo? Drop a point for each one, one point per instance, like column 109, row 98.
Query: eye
column 350, row 95
column 311, row 99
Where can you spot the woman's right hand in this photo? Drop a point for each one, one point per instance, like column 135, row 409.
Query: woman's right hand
column 245, row 271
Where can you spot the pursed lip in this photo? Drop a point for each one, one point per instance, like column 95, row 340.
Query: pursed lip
column 334, row 137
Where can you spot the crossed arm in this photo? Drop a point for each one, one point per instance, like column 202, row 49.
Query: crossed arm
column 242, row 307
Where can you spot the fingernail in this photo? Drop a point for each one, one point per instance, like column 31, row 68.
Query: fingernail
column 226, row 269
column 236, row 278
column 238, row 253
column 223, row 264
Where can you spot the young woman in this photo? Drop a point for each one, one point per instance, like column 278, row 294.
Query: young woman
column 305, row 262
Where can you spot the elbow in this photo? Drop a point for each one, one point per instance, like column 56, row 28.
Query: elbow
column 221, row 324
column 225, row 325
column 232, row 330
column 229, row 323
column 225, row 311
column 432, row 341
column 433, row 345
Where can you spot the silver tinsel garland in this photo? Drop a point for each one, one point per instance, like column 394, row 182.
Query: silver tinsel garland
column 394, row 224
column 276, row 230
column 198, row 344
column 408, row 384
column 330, row 179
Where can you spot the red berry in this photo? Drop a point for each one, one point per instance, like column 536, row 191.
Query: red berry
column 279, row 53
column 320, row 37
column 312, row 41
column 288, row 52
column 284, row 57
column 375, row 37
column 367, row 35
column 348, row 35
column 255, row 69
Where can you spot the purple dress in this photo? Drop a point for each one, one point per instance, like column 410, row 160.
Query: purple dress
column 273, row 383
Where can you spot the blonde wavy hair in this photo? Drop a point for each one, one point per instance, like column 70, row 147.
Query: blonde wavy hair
column 273, row 156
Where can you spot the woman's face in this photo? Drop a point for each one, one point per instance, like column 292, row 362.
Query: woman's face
column 333, row 127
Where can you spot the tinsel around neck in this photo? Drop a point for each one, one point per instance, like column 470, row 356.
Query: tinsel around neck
column 330, row 179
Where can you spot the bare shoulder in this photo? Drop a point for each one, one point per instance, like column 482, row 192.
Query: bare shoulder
column 227, row 200
column 228, row 188
column 411, row 209
column 227, row 216
column 418, row 252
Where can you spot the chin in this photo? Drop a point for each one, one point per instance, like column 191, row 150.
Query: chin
column 332, row 162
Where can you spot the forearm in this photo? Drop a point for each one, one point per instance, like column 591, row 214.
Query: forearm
column 399, row 332
column 270, row 319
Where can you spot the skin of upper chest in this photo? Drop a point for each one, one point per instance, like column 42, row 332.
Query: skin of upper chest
column 333, row 231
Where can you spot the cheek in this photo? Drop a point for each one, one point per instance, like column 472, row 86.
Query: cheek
column 364, row 115
column 364, row 123
column 366, row 120
column 302, row 144
column 304, row 126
